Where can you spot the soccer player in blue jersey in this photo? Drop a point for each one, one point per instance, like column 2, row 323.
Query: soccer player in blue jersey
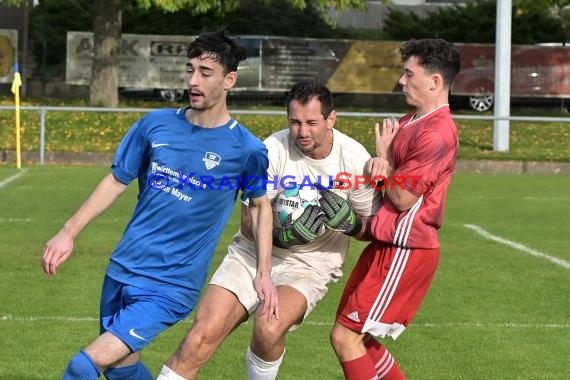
column 190, row 164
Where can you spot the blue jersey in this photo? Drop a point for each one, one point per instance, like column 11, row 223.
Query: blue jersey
column 189, row 178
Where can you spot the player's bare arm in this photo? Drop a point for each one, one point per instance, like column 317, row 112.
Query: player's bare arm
column 364, row 233
column 390, row 127
column 60, row 247
column 262, row 228
column 383, row 166
column 245, row 222
column 401, row 198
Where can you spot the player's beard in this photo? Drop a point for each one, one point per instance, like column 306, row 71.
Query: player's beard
column 197, row 100
column 200, row 105
column 320, row 146
column 305, row 149
column 204, row 102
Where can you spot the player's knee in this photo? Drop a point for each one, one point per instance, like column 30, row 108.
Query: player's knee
column 336, row 338
column 198, row 337
column 344, row 340
column 196, row 349
column 200, row 342
column 81, row 366
column 268, row 333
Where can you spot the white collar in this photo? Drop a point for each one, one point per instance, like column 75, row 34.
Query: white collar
column 413, row 118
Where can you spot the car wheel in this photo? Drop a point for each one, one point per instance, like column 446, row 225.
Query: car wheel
column 481, row 103
column 171, row 95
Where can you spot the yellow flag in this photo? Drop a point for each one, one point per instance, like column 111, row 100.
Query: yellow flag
column 17, row 82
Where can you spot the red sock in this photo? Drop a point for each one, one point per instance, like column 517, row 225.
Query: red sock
column 361, row 368
column 384, row 362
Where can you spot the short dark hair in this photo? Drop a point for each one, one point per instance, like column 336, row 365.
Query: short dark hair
column 435, row 55
column 308, row 89
column 220, row 47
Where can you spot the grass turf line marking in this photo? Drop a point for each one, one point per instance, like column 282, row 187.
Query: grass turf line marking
column 6, row 318
column 541, row 199
column 520, row 247
column 12, row 178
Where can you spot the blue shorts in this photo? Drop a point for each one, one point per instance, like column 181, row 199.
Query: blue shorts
column 135, row 315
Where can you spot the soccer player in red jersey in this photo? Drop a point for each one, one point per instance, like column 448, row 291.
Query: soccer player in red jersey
column 394, row 272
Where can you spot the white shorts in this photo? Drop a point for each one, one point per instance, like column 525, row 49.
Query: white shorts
column 237, row 271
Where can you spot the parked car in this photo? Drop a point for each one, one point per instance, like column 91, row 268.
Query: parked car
column 537, row 72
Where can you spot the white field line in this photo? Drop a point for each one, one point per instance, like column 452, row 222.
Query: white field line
column 53, row 188
column 546, row 199
column 11, row 318
column 5, row 182
column 518, row 246
column 8, row 317
column 529, row 198
column 102, row 220
column 10, row 220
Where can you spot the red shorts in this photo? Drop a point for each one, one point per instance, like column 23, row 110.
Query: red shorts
column 385, row 289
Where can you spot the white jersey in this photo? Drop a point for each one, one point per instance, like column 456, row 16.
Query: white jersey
column 346, row 161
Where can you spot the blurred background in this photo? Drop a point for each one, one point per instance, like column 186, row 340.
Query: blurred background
column 352, row 46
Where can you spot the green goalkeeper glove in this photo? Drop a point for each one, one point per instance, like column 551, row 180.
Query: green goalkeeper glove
column 303, row 230
column 340, row 216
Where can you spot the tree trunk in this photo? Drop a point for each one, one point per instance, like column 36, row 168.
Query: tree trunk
column 107, row 50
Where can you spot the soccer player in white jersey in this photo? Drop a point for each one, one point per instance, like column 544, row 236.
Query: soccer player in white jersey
column 188, row 163
column 304, row 260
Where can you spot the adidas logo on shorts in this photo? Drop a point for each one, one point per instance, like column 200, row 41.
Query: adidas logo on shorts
column 353, row 316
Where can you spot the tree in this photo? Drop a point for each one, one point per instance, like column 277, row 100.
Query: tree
column 107, row 33
column 559, row 8
column 106, row 53
column 473, row 22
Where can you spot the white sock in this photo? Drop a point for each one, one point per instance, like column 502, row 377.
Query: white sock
column 168, row 374
column 259, row 369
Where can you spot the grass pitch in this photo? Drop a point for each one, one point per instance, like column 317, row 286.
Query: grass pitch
column 499, row 307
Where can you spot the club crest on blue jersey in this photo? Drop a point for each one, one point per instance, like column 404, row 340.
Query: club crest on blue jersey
column 211, row 160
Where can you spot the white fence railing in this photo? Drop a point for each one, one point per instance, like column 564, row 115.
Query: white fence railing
column 43, row 110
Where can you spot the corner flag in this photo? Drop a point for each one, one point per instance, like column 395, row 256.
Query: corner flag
column 16, row 84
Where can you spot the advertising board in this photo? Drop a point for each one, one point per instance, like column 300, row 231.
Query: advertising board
column 8, row 54
column 363, row 67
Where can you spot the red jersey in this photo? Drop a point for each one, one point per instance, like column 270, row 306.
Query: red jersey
column 424, row 153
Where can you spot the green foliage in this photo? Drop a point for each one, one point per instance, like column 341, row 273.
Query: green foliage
column 558, row 8
column 473, row 22
column 50, row 21
column 101, row 132
column 251, row 17
column 279, row 19
column 12, row 2
column 221, row 7
column 197, row 6
column 536, row 26
column 541, row 4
